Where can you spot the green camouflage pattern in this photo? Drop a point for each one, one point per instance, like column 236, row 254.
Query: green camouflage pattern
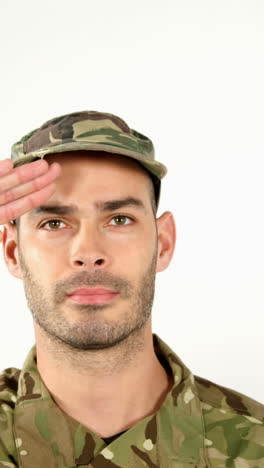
column 89, row 130
column 200, row 424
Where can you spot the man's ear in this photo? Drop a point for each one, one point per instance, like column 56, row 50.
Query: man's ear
column 166, row 228
column 10, row 249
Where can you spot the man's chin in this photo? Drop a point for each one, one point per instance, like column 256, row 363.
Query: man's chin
column 86, row 343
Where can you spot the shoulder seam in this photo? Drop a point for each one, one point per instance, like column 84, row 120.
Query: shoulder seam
column 229, row 410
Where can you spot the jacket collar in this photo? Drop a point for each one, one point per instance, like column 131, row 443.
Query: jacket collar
column 173, row 436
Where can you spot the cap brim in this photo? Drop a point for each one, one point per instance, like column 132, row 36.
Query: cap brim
column 155, row 167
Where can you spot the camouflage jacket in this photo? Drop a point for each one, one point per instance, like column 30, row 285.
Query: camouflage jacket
column 199, row 424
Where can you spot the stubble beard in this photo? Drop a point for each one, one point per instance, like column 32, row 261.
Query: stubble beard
column 93, row 330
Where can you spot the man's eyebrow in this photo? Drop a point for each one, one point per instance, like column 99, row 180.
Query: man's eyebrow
column 57, row 209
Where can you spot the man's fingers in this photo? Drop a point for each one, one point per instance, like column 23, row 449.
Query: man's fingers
column 33, row 185
column 18, row 207
column 25, row 187
column 21, row 174
column 5, row 166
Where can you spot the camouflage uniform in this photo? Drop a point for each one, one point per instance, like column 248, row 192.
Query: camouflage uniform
column 199, row 424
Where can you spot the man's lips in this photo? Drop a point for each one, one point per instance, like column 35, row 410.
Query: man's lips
column 92, row 295
column 91, row 291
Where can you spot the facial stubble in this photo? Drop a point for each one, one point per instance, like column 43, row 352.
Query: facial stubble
column 91, row 328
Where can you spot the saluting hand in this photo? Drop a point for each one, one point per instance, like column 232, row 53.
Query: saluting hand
column 25, row 187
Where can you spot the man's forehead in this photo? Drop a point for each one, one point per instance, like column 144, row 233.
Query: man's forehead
column 127, row 170
column 70, row 162
column 95, row 156
column 58, row 204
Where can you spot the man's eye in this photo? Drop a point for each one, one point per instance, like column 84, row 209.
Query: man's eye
column 50, row 222
column 120, row 220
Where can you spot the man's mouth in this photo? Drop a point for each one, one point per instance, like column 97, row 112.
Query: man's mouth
column 93, row 295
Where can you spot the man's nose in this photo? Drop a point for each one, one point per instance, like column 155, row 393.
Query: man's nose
column 88, row 248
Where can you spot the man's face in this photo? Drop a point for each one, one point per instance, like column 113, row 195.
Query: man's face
column 115, row 248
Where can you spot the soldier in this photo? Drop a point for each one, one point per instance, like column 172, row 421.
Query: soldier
column 78, row 202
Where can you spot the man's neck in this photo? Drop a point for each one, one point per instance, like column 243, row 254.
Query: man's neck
column 107, row 390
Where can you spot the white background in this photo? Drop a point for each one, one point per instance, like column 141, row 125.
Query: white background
column 189, row 74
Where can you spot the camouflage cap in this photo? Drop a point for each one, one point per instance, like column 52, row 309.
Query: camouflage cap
column 90, row 131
